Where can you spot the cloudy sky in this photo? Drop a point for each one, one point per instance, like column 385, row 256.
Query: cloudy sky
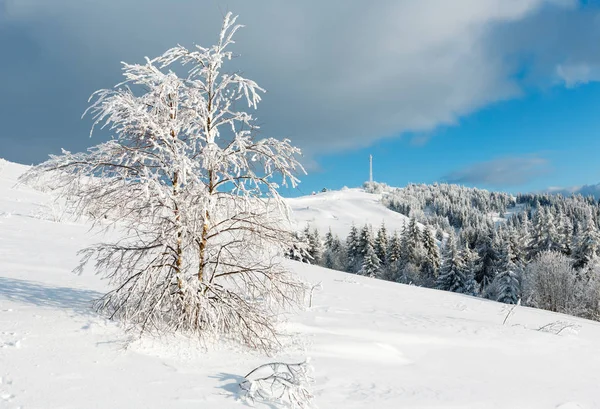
column 491, row 93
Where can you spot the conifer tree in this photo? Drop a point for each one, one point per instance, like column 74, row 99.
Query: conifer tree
column 451, row 277
column 394, row 262
column 334, row 253
column 395, row 249
column 329, row 240
column 565, row 233
column 381, row 244
column 365, row 239
column 371, row 266
column 487, row 248
column 431, row 260
column 507, row 287
column 352, row 250
column 412, row 244
column 315, row 246
column 470, row 260
column 588, row 245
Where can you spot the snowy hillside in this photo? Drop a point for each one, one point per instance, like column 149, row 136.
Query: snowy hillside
column 340, row 208
column 373, row 344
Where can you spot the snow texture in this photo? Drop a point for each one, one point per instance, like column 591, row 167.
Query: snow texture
column 373, row 344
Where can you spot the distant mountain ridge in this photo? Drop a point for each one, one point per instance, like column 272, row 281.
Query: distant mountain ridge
column 584, row 190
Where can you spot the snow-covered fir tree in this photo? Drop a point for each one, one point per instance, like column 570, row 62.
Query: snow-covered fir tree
column 381, row 244
column 334, row 254
column 315, row 245
column 451, row 276
column 487, row 247
column 470, row 260
column 412, row 245
column 431, row 256
column 394, row 252
column 371, row 266
column 587, row 245
column 353, row 250
column 506, row 285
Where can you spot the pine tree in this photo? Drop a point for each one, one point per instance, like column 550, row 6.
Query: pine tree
column 412, row 245
column 329, row 240
column 588, row 246
column 365, row 239
column 371, row 266
column 431, row 260
column 381, row 245
column 315, row 246
column 470, row 260
column 352, row 250
column 451, row 277
column 334, row 254
column 545, row 235
column 394, row 262
column 395, row 249
column 565, row 234
column 507, row 287
column 487, row 248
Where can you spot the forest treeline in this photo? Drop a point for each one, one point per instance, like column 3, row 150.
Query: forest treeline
column 541, row 249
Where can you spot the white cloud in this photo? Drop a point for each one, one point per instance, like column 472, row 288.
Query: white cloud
column 507, row 171
column 577, row 74
column 339, row 74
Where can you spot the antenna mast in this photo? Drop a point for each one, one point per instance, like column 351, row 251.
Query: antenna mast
column 371, row 169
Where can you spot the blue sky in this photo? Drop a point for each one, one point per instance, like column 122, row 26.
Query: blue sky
column 500, row 94
column 548, row 138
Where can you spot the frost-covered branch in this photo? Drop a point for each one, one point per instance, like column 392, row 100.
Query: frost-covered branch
column 192, row 195
column 280, row 383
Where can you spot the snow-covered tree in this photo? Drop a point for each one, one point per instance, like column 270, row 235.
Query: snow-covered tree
column 371, row 266
column 487, row 248
column 470, row 262
column 550, row 283
column 334, row 256
column 381, row 244
column 411, row 244
column 394, row 252
column 315, row 245
column 431, row 257
column 192, row 195
column 452, row 277
column 587, row 246
column 353, row 250
column 507, row 287
column 365, row 239
column 392, row 269
column 545, row 236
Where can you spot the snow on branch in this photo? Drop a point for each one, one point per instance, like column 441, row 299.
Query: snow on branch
column 280, row 383
column 193, row 197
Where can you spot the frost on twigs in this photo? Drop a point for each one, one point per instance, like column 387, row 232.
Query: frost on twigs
column 192, row 196
column 558, row 327
column 287, row 385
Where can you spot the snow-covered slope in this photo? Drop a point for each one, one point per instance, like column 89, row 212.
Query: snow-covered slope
column 340, row 208
column 373, row 344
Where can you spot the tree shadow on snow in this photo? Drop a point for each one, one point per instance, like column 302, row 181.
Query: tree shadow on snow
column 230, row 384
column 43, row 295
